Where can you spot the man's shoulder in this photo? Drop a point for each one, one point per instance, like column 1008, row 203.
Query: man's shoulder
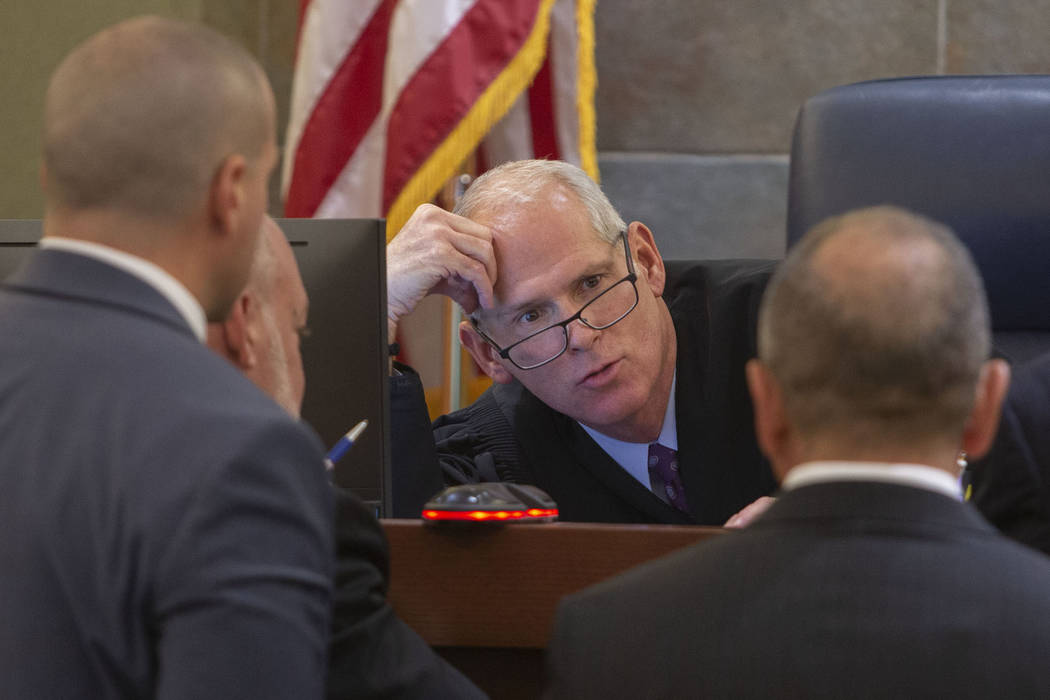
column 500, row 404
column 1030, row 386
column 156, row 384
column 690, row 281
column 1011, row 482
column 228, row 408
column 498, row 433
column 192, row 377
column 717, row 302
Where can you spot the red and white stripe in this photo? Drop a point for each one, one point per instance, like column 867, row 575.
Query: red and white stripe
column 380, row 85
column 545, row 121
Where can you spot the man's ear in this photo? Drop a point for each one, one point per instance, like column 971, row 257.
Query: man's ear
column 772, row 428
column 983, row 423
column 647, row 261
column 240, row 333
column 483, row 353
column 227, row 194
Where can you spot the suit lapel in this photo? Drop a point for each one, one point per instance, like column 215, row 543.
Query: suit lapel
column 693, row 421
column 73, row 277
column 721, row 467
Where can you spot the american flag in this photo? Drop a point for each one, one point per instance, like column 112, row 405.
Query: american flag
column 391, row 96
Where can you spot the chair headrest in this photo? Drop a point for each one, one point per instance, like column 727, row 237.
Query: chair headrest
column 971, row 152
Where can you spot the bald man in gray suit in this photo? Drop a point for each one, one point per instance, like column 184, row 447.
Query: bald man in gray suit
column 165, row 528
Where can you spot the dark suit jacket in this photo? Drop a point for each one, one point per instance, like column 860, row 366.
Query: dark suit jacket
column 374, row 654
column 165, row 529
column 1011, row 485
column 841, row 590
column 509, row 435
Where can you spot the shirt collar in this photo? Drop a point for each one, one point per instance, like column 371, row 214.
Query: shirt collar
column 916, row 475
column 634, row 456
column 169, row 287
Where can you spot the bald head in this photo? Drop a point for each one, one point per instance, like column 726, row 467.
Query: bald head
column 261, row 334
column 876, row 327
column 139, row 117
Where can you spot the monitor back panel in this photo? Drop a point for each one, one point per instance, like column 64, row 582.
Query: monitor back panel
column 17, row 238
column 343, row 265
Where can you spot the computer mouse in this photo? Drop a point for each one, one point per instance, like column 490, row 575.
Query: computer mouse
column 498, row 501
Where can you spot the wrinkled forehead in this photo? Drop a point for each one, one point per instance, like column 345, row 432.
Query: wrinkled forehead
column 551, row 276
column 530, row 236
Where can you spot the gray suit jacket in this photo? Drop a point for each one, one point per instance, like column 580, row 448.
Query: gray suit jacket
column 856, row 590
column 165, row 529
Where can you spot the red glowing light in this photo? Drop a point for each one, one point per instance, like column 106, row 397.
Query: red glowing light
column 479, row 515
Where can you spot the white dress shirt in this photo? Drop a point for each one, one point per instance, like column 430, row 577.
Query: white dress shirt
column 168, row 287
column 917, row 475
column 634, row 456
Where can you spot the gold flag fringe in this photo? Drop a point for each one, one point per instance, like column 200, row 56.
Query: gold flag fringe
column 489, row 108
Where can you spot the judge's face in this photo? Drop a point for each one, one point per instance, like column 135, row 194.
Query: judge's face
column 550, row 262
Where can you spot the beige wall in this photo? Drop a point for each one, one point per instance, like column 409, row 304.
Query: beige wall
column 696, row 98
column 37, row 34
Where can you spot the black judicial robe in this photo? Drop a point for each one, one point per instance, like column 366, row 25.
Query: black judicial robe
column 508, row 434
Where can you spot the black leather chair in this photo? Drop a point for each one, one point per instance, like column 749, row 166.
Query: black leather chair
column 972, row 152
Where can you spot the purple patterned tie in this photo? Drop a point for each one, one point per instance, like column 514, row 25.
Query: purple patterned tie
column 663, row 471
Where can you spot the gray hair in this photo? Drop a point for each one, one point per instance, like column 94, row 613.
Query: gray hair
column 140, row 116
column 520, row 182
column 881, row 337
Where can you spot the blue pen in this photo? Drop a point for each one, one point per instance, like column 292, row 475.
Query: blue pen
column 345, row 443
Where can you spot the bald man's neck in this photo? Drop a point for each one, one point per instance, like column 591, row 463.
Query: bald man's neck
column 172, row 246
column 146, row 237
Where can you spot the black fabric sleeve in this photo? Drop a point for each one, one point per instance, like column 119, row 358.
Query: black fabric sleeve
column 471, row 445
column 415, row 475
column 1010, row 483
column 373, row 653
column 242, row 595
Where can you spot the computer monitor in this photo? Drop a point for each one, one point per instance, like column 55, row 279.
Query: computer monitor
column 343, row 265
column 17, row 238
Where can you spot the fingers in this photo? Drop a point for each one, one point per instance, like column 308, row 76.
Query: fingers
column 467, row 237
column 746, row 516
column 479, row 248
column 463, row 292
column 439, row 252
column 480, row 270
column 461, row 257
column 467, row 285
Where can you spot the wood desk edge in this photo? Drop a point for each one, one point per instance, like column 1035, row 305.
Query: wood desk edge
column 498, row 585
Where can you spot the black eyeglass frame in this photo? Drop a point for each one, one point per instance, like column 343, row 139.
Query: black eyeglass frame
column 631, row 277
